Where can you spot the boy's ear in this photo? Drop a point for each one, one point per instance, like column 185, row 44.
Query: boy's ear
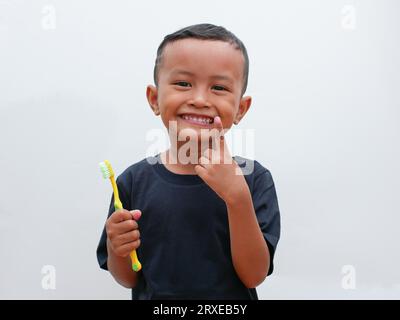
column 152, row 98
column 244, row 106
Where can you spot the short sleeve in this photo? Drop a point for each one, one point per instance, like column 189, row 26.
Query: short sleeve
column 101, row 252
column 266, row 207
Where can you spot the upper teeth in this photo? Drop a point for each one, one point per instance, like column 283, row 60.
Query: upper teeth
column 197, row 119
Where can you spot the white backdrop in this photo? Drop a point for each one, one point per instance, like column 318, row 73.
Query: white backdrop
column 325, row 82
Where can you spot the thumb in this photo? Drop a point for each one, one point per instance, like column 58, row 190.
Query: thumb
column 201, row 172
column 136, row 214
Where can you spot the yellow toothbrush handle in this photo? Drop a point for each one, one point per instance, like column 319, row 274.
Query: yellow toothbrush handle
column 136, row 265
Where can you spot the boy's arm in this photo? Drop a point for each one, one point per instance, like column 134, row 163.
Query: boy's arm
column 249, row 249
column 121, row 268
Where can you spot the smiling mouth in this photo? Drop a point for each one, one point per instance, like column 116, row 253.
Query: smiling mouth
column 197, row 119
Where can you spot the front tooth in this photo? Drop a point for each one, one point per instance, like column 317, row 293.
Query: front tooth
column 197, row 119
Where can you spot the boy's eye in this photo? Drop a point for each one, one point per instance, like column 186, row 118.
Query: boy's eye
column 219, row 88
column 182, row 84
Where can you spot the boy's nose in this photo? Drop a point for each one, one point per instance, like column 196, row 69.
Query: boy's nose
column 199, row 100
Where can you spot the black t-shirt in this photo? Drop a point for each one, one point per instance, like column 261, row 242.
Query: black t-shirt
column 185, row 245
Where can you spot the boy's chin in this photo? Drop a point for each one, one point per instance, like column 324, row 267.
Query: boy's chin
column 194, row 134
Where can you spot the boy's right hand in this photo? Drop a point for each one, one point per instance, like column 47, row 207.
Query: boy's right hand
column 122, row 231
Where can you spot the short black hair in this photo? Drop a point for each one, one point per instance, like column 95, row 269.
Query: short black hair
column 204, row 31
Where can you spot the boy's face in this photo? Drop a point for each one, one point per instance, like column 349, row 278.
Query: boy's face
column 198, row 80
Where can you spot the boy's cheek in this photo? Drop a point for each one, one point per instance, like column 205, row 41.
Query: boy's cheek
column 171, row 97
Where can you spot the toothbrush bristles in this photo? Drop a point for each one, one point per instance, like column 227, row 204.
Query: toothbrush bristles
column 105, row 170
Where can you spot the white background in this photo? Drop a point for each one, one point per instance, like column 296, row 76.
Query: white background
column 325, row 82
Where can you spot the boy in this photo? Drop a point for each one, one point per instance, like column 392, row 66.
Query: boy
column 208, row 231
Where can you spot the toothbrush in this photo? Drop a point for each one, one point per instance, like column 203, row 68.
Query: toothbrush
column 108, row 173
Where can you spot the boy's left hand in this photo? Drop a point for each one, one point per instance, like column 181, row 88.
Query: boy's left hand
column 217, row 168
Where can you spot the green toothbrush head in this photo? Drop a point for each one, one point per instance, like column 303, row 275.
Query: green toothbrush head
column 106, row 169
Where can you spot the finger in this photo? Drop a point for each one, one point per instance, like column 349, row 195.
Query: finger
column 220, row 140
column 125, row 226
column 136, row 214
column 127, row 237
column 210, row 156
column 208, row 153
column 219, row 126
column 121, row 215
column 126, row 249
column 201, row 172
column 204, row 161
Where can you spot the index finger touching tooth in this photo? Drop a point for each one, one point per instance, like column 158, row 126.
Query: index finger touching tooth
column 218, row 124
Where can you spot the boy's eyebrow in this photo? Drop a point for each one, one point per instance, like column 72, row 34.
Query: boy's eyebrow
column 184, row 72
column 188, row 73
column 221, row 77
